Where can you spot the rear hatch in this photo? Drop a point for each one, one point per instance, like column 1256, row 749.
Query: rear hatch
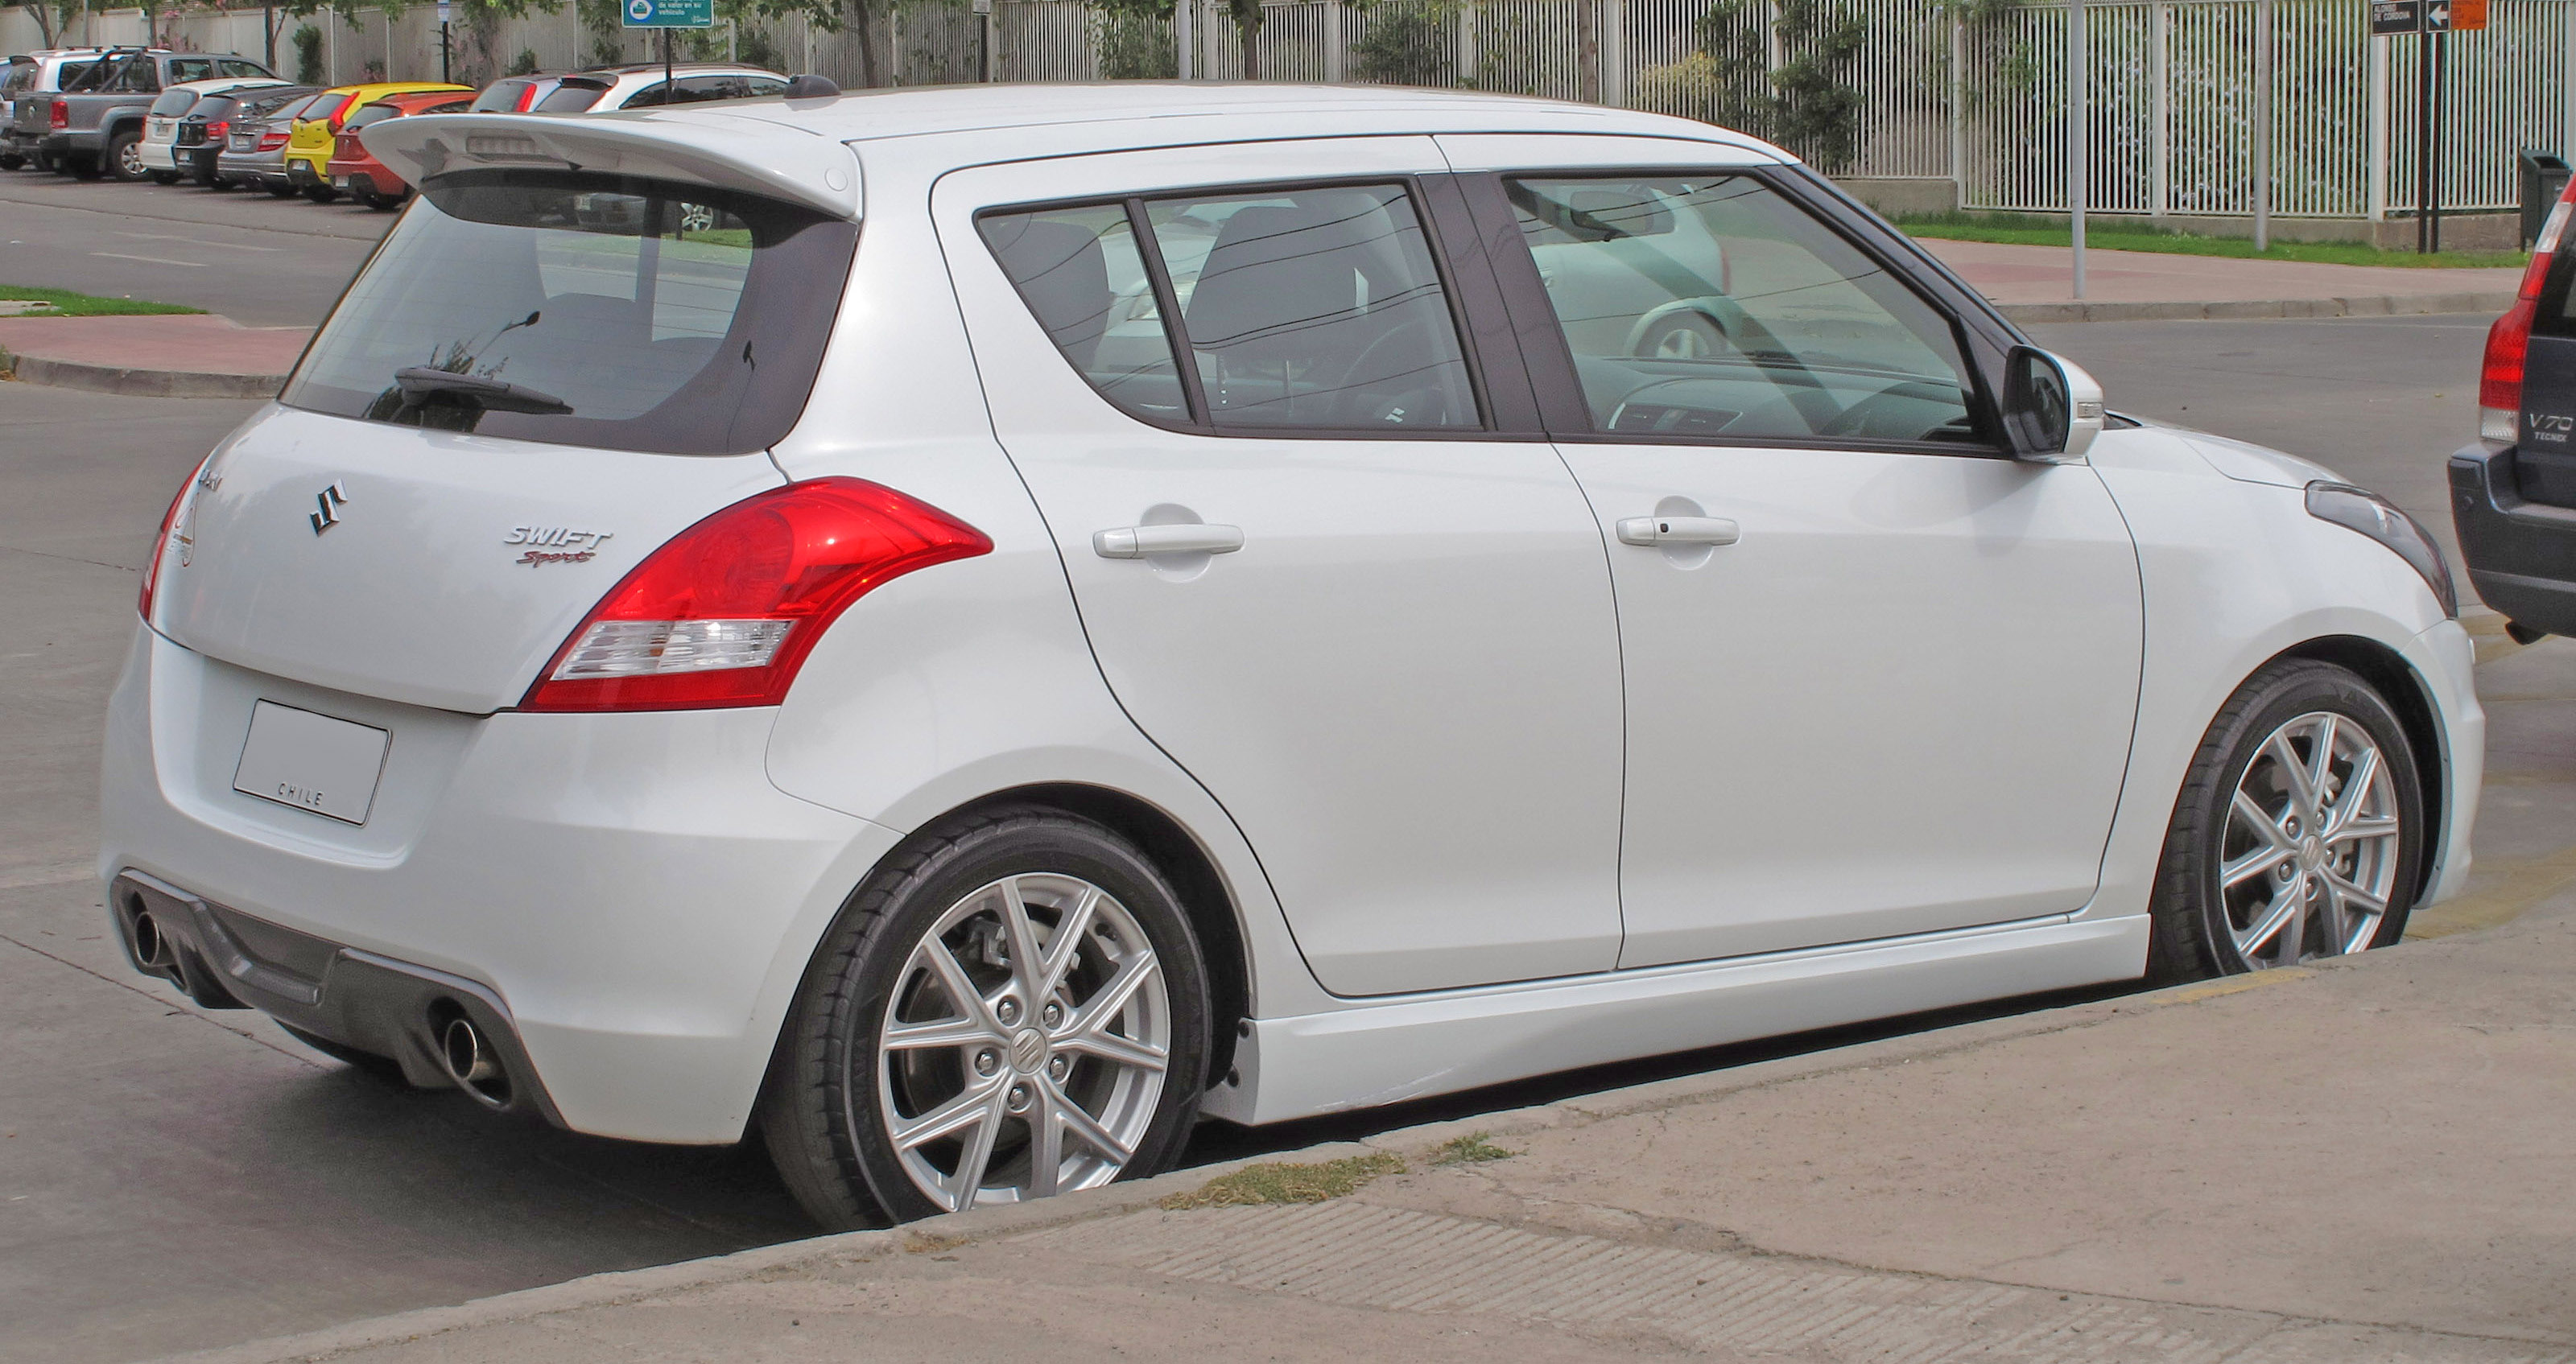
column 539, row 379
column 2545, row 422
column 34, row 114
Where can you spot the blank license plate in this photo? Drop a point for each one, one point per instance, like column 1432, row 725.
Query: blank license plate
column 312, row 762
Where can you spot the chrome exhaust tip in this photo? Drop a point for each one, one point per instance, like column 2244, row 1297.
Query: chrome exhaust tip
column 149, row 948
column 468, row 1057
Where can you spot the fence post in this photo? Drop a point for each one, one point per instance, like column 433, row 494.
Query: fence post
column 1335, row 50
column 1775, row 47
column 1184, row 51
column 1614, row 52
column 1468, row 58
column 2375, row 170
column 331, row 44
column 2159, row 109
column 1958, row 109
column 2262, row 130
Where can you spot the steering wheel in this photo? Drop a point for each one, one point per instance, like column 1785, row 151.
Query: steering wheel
column 1684, row 329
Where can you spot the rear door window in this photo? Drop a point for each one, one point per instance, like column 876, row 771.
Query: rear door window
column 586, row 310
column 190, row 69
column 1300, row 309
column 174, row 103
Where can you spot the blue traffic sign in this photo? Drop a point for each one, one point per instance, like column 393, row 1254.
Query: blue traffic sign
column 669, row 13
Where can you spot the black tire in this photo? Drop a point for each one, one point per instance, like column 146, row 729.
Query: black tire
column 2193, row 935
column 165, row 177
column 44, row 161
column 384, row 203
column 820, row 1109
column 81, row 167
column 383, row 1068
column 320, row 194
column 279, row 189
column 118, row 158
column 11, row 161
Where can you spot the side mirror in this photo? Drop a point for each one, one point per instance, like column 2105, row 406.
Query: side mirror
column 2052, row 408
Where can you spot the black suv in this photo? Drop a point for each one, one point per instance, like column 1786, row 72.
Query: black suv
column 2513, row 494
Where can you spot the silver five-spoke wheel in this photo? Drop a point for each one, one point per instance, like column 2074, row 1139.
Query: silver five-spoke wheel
column 2310, row 853
column 1024, row 1045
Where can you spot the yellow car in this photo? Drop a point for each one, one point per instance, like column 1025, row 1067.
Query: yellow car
column 308, row 149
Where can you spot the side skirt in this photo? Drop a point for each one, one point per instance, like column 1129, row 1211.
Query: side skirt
column 1389, row 1051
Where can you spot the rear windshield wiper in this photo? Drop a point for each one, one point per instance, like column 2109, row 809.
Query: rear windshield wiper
column 421, row 383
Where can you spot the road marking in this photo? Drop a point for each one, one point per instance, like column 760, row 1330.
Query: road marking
column 195, row 241
column 2524, row 884
column 151, row 260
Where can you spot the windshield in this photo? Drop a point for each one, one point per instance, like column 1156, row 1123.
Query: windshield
column 174, row 102
column 659, row 317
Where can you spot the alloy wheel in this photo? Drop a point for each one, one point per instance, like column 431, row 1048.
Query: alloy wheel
column 129, row 161
column 2309, row 858
column 1023, row 1047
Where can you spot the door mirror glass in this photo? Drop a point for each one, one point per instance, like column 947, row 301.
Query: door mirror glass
column 2052, row 409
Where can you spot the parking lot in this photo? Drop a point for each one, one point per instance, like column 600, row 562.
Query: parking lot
column 173, row 1179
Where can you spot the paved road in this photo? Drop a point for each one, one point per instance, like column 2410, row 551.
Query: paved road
column 260, row 261
column 174, row 1179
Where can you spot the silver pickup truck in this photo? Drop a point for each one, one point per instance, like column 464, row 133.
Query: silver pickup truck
column 92, row 126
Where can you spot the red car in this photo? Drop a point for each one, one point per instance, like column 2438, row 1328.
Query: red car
column 361, row 176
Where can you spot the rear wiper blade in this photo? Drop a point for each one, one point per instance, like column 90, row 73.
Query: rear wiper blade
column 421, row 383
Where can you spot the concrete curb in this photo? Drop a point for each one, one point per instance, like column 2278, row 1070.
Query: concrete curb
column 2379, row 305
column 940, row 1233
column 139, row 383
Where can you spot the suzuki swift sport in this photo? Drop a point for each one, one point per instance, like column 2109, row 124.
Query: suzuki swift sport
column 965, row 631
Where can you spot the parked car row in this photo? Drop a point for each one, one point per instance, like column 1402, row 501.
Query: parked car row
column 221, row 120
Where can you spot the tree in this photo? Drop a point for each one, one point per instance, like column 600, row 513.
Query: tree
column 1807, row 103
column 54, row 18
column 1134, row 39
column 1247, row 18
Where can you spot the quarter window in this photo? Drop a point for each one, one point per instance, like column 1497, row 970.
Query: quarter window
column 1711, row 306
column 1314, row 309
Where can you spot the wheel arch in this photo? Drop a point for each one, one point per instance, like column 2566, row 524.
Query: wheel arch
column 2411, row 697
column 1213, row 914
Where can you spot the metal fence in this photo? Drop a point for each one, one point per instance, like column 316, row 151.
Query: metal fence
column 1976, row 97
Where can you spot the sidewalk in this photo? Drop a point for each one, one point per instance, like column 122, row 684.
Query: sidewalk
column 178, row 355
column 2036, row 284
column 2365, row 1159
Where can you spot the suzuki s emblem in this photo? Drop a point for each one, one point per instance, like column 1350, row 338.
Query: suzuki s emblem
column 326, row 507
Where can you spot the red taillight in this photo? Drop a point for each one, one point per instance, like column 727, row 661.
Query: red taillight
column 527, row 96
column 161, row 544
column 725, row 613
column 215, row 132
column 271, row 141
column 60, row 118
column 2509, row 339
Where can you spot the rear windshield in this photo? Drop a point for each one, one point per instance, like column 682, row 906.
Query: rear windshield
column 22, row 74
column 174, row 102
column 373, row 113
column 323, row 106
column 586, row 310
column 571, row 97
column 289, row 108
column 500, row 95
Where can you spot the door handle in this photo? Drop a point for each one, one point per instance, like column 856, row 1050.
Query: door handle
column 1135, row 542
column 1679, row 530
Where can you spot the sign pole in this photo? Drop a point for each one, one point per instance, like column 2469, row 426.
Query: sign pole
column 667, row 15
column 2077, row 137
column 2423, row 143
column 2441, row 95
column 670, row 82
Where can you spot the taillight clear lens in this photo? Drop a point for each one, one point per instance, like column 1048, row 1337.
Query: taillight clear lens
column 269, row 142
column 161, row 544
column 726, row 612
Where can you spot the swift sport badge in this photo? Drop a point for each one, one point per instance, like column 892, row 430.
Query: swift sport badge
column 556, row 544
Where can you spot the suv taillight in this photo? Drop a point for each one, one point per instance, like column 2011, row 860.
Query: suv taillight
column 58, row 118
column 726, row 612
column 2509, row 339
column 215, row 132
column 161, row 545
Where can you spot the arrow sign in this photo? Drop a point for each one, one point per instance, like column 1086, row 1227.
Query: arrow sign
column 2437, row 17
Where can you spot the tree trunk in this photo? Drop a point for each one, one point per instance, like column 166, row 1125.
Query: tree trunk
column 44, row 17
column 863, row 20
column 1247, row 26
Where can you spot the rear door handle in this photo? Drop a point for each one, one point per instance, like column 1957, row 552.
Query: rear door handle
column 1679, row 530
column 1135, row 542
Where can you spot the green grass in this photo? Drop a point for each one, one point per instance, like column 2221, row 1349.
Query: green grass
column 2020, row 230
column 1471, row 1149
column 1278, row 1182
column 69, row 304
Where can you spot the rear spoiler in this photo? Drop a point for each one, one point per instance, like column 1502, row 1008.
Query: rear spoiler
column 748, row 155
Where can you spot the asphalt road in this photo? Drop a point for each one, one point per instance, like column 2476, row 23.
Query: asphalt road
column 176, row 1179
column 261, row 261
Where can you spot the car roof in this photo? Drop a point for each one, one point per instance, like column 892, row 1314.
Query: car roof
column 409, row 100
column 370, row 92
column 224, row 85
column 783, row 148
column 620, row 77
column 1123, row 115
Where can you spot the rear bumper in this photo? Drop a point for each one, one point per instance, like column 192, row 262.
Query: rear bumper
column 2521, row 555
column 629, row 895
column 158, row 156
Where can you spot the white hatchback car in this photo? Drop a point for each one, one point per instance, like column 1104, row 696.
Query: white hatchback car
column 973, row 628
